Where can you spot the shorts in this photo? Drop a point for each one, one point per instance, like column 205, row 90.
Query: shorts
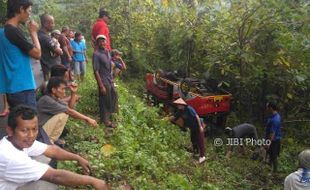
column 79, row 67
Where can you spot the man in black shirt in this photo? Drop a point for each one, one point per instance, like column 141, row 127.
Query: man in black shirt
column 16, row 79
column 49, row 46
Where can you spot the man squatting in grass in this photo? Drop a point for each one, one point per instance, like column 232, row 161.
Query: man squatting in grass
column 18, row 169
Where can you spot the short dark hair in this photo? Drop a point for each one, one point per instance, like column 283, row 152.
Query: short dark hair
column 65, row 29
column 58, row 71
column 13, row 7
column 77, row 34
column 43, row 18
column 272, row 105
column 54, row 82
column 23, row 111
column 103, row 12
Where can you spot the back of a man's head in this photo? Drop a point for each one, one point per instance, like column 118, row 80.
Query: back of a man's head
column 65, row 29
column 23, row 111
column 304, row 159
column 272, row 105
column 14, row 6
column 54, row 82
column 58, row 71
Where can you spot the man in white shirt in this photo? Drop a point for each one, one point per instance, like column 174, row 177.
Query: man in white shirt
column 300, row 179
column 17, row 168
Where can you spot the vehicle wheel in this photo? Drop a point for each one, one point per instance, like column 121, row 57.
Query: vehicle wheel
column 185, row 86
column 221, row 121
column 159, row 73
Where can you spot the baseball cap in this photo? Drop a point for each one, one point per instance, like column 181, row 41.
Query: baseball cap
column 101, row 36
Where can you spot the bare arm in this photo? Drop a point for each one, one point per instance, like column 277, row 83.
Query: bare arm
column 67, row 178
column 73, row 98
column 99, row 82
column 75, row 114
column 36, row 51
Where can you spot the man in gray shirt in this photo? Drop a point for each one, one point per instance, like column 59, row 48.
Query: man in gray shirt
column 238, row 134
column 53, row 113
column 103, row 73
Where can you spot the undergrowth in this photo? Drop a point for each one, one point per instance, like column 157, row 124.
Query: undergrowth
column 150, row 153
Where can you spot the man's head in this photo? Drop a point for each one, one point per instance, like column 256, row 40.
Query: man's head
column 78, row 36
column 19, row 8
column 304, row 159
column 115, row 53
column 104, row 15
column 55, row 34
column 56, row 87
column 47, row 22
column 65, row 30
column 22, row 126
column 71, row 34
column 271, row 107
column 101, row 41
column 228, row 131
column 60, row 71
column 180, row 103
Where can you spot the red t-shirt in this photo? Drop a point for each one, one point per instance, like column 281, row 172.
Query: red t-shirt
column 100, row 27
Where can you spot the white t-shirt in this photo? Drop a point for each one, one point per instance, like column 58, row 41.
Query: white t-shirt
column 16, row 166
column 294, row 181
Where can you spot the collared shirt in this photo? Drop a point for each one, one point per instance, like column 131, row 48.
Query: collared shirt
column 79, row 49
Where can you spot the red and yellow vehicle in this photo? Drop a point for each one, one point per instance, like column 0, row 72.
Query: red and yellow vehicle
column 209, row 101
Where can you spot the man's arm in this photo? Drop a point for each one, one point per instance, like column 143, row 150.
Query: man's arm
column 36, row 51
column 100, row 83
column 67, row 178
column 77, row 115
column 73, row 98
column 54, row 151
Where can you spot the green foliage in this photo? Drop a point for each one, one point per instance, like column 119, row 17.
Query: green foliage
column 148, row 152
column 2, row 11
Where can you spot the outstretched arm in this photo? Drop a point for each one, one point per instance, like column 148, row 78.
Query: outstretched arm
column 67, row 178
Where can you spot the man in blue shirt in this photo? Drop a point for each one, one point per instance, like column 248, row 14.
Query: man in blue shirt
column 273, row 133
column 16, row 78
column 195, row 125
column 79, row 56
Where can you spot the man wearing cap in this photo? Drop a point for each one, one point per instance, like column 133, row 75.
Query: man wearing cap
column 300, row 179
column 103, row 72
column 101, row 28
column 118, row 63
column 193, row 122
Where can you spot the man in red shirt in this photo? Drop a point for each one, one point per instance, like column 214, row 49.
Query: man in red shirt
column 101, row 28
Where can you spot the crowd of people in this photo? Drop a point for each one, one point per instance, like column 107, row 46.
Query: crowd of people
column 37, row 115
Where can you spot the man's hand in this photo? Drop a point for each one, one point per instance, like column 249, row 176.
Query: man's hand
column 99, row 184
column 103, row 90
column 33, row 26
column 73, row 87
column 92, row 122
column 85, row 165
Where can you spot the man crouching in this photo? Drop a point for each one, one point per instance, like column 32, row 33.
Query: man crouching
column 17, row 168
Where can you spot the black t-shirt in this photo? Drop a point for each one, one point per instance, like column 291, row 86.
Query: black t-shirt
column 16, row 36
column 48, row 47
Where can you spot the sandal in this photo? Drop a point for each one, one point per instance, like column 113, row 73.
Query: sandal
column 4, row 114
column 112, row 125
